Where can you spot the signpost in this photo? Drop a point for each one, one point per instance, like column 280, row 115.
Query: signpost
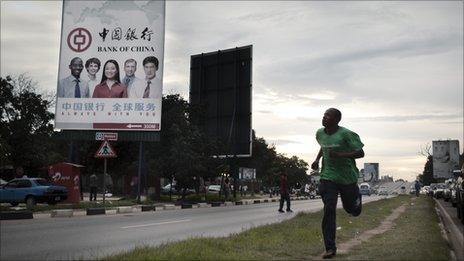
column 105, row 151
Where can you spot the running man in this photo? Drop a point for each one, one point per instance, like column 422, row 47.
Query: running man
column 339, row 174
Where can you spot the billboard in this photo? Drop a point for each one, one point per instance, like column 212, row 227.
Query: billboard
column 247, row 173
column 220, row 83
column 111, row 65
column 445, row 158
column 371, row 172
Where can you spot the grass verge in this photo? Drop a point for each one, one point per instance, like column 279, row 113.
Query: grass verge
column 416, row 235
column 297, row 238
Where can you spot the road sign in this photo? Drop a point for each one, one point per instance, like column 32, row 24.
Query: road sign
column 105, row 151
column 106, row 136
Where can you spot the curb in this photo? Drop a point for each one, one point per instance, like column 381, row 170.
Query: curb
column 25, row 214
column 96, row 211
column 62, row 213
column 11, row 215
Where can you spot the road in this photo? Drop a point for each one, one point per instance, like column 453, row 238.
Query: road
column 89, row 237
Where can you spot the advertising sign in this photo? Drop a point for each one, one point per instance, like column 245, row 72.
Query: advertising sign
column 445, row 158
column 247, row 173
column 371, row 172
column 111, row 65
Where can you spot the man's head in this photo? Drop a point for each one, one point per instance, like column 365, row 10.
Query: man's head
column 130, row 66
column 76, row 67
column 150, row 66
column 331, row 117
column 92, row 66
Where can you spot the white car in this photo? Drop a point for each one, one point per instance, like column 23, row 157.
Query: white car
column 214, row 188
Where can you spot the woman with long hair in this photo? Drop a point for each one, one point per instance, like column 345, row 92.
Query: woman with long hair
column 110, row 85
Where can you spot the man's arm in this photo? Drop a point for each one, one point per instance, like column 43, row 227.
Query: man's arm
column 350, row 154
column 315, row 164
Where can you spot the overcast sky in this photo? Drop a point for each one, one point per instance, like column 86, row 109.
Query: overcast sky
column 394, row 69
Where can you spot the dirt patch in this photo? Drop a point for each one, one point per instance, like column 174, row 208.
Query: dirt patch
column 386, row 225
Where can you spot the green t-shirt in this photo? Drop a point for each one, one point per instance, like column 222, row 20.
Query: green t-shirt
column 339, row 170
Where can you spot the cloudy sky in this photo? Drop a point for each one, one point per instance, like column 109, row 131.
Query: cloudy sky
column 394, row 69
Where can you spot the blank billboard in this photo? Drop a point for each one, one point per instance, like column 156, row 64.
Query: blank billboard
column 220, row 84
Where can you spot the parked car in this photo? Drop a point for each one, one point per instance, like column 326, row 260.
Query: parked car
column 2, row 182
column 214, row 188
column 447, row 190
column 31, row 191
column 439, row 190
column 365, row 189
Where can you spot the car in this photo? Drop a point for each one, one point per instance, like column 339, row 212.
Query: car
column 365, row 189
column 32, row 191
column 439, row 190
column 214, row 188
column 2, row 182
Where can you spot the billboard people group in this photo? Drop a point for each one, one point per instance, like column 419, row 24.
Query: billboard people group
column 110, row 85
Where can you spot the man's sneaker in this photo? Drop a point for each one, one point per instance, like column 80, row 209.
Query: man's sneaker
column 281, row 211
column 358, row 206
column 289, row 210
column 329, row 254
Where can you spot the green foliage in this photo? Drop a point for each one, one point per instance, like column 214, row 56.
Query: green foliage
column 26, row 128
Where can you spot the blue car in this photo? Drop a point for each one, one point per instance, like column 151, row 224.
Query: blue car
column 31, row 191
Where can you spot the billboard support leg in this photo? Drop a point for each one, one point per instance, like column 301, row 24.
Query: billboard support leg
column 104, row 181
column 140, row 170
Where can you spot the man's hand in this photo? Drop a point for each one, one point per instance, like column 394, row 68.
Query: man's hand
column 315, row 165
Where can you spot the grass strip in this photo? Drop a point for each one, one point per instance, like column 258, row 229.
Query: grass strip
column 296, row 238
column 416, row 235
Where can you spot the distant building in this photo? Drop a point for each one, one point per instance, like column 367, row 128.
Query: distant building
column 386, row 178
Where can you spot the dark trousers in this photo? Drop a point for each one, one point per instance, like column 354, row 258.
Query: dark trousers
column 329, row 192
column 93, row 193
column 284, row 197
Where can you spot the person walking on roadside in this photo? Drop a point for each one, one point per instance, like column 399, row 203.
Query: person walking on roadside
column 339, row 174
column 417, row 187
column 93, row 187
column 226, row 188
column 284, row 193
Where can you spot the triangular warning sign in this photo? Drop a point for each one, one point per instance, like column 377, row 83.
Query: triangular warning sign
column 105, row 151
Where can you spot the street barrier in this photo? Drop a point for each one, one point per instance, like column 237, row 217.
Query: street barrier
column 257, row 201
column 123, row 210
column 62, row 213
column 216, row 204
column 203, row 205
column 148, row 208
column 169, row 207
column 23, row 214
column 186, row 205
column 238, row 203
column 96, row 211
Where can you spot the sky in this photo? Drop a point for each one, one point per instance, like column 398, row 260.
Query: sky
column 394, row 69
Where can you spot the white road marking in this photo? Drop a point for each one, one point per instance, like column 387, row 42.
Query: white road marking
column 159, row 223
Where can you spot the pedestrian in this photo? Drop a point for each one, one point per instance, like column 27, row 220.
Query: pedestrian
column 226, row 188
column 93, row 187
column 339, row 174
column 284, row 193
column 417, row 187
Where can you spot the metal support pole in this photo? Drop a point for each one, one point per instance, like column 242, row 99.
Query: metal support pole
column 104, row 181
column 140, row 170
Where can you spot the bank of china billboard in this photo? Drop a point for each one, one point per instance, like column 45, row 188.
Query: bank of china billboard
column 111, row 65
column 445, row 158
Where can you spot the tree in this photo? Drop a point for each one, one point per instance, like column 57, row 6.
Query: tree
column 26, row 128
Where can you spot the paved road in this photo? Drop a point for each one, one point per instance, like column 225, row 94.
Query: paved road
column 89, row 237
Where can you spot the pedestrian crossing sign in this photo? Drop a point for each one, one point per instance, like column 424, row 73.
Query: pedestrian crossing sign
column 105, row 151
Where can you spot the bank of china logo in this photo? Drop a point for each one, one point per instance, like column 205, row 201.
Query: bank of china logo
column 79, row 39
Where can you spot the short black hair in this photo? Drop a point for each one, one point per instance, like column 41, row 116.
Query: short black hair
column 151, row 59
column 337, row 113
column 92, row 60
